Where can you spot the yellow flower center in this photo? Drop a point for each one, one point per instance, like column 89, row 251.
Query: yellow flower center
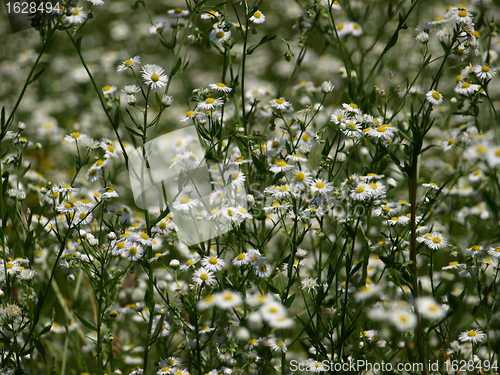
column 155, row 77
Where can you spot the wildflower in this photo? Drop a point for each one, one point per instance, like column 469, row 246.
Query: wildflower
column 434, row 241
column 466, row 88
column 281, row 104
column 128, row 64
column 361, row 192
column 428, row 308
column 484, row 72
column 280, row 166
column 133, row 253
column 178, row 12
column 258, row 17
column 219, row 86
column 204, row 276
column 154, row 76
column 319, row 186
column 213, row 263
column 434, row 97
column 262, row 268
column 210, row 15
column 241, row 259
column 228, row 300
column 186, row 204
column 473, row 335
column 209, row 104
column 309, row 284
column 219, row 36
column 403, row 320
column 108, row 90
column 76, row 15
column 474, row 250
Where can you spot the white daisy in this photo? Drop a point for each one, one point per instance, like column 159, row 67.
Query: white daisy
column 434, row 97
column 219, row 86
column 209, row 104
column 473, row 335
column 213, row 263
column 258, row 17
column 228, row 300
column 204, row 276
column 281, row 104
column 129, row 63
column 429, row 309
column 76, row 15
column 154, row 76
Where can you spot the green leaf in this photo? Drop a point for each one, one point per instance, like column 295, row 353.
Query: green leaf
column 37, row 76
column 290, row 300
column 265, row 39
column 85, row 322
column 176, row 67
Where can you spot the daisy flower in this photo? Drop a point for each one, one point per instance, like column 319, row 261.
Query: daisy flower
column 76, row 15
column 281, row 104
column 178, row 12
column 321, row 187
column 219, row 36
column 213, row 263
column 494, row 252
column 210, row 15
column 460, row 15
column 474, row 250
column 204, row 275
column 108, row 90
column 228, row 300
column 473, row 335
column 296, row 158
column 262, row 268
column 129, row 63
column 258, row 17
column 466, row 88
column 133, row 252
column 272, row 310
column 185, row 204
column 361, row 192
column 453, row 265
column 351, row 107
column 434, row 97
column 154, row 76
column 280, row 166
column 209, row 104
column 403, row 320
column 241, row 259
column 435, row 241
column 301, row 178
column 484, row 72
column 309, row 284
column 350, row 129
column 219, row 86
column 188, row 116
column 429, row 309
